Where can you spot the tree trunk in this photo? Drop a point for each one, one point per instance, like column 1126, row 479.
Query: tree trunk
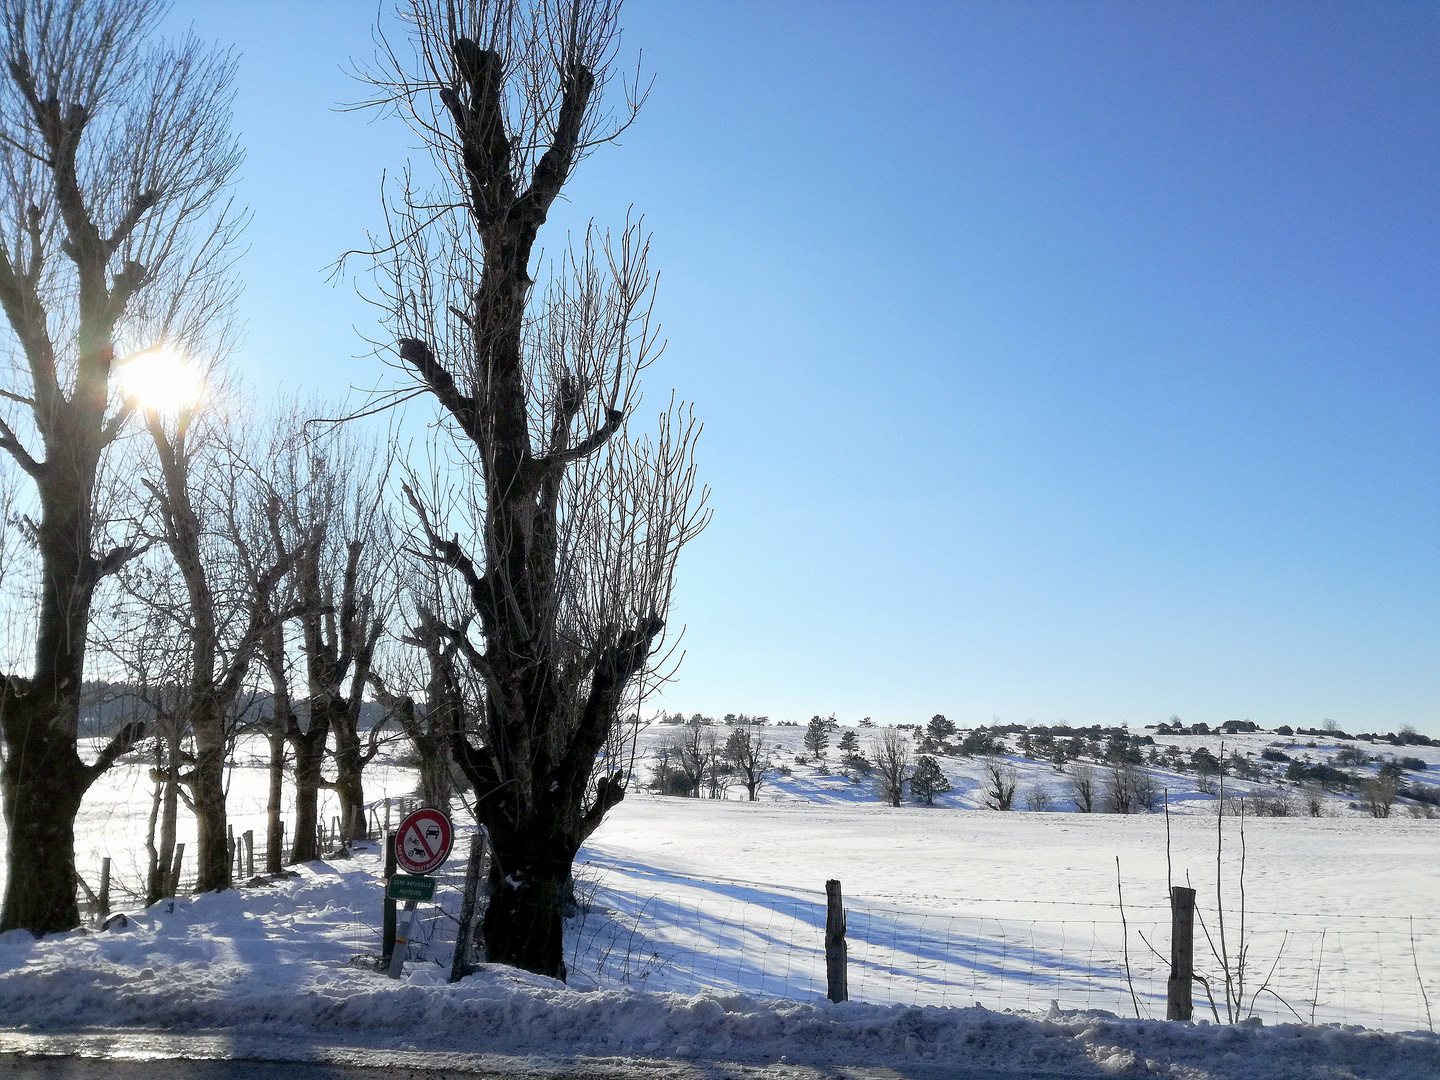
column 275, row 824
column 152, row 869
column 309, row 756
column 207, row 790
column 44, row 783
column 158, row 885
column 349, row 783
column 43, row 778
column 524, row 922
column 436, row 783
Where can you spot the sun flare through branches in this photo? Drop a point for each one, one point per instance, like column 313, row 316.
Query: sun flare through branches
column 162, row 380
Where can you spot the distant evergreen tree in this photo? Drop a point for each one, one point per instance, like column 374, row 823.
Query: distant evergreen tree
column 817, row 735
column 940, row 730
column 928, row 781
column 849, row 741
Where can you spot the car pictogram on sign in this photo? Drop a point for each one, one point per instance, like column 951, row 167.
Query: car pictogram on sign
column 423, row 841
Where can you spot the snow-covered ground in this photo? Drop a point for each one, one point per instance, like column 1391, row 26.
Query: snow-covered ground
column 700, row 934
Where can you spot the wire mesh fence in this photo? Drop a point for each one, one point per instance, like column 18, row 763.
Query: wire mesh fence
column 1377, row 971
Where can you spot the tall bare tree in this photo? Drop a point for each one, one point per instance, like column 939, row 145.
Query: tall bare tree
column 115, row 152
column 572, row 525
column 202, row 479
column 747, row 753
column 890, row 754
column 441, row 713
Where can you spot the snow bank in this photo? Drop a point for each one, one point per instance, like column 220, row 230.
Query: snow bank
column 278, row 960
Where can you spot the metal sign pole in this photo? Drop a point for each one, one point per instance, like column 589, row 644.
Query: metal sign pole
column 402, row 940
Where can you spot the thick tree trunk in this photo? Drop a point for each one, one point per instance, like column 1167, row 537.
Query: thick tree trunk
column 44, row 783
column 213, row 864
column 349, row 784
column 309, row 756
column 436, row 783
column 274, row 823
column 43, row 778
column 524, row 922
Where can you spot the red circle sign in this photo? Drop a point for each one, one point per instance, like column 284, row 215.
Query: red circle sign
column 423, row 841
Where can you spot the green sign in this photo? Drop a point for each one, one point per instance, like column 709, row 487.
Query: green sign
column 411, row 887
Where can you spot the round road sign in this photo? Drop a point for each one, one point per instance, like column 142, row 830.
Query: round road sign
column 423, row 841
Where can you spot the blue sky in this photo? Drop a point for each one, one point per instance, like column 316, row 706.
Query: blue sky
column 1057, row 361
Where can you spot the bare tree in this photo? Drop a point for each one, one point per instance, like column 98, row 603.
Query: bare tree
column 228, row 605
column 1084, row 787
column 331, row 490
column 1001, row 781
column 890, row 754
column 114, row 152
column 431, row 724
column 692, row 753
column 747, row 753
column 574, row 525
column 1379, row 792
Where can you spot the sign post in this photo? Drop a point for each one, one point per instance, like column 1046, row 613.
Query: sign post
column 422, row 843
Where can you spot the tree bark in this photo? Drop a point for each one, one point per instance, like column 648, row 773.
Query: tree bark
column 309, row 747
column 274, row 822
column 44, row 783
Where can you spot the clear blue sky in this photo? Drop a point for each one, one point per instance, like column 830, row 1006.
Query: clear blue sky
column 1057, row 360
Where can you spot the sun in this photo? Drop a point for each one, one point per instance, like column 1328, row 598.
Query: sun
column 162, row 380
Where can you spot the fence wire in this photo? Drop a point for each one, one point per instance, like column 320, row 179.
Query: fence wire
column 762, row 944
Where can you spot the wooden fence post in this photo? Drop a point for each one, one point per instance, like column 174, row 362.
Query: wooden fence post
column 1178, row 1003
column 104, row 904
column 836, row 951
column 460, row 965
column 175, row 870
column 230, row 849
column 387, row 932
column 249, row 854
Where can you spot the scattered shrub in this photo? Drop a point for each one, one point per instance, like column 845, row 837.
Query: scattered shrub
column 1038, row 797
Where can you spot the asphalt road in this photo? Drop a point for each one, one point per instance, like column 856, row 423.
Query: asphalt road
column 163, row 1056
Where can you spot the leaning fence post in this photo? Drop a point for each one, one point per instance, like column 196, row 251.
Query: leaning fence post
column 387, row 933
column 460, row 965
column 249, row 854
column 836, row 953
column 1178, row 1004
column 175, row 870
column 104, row 904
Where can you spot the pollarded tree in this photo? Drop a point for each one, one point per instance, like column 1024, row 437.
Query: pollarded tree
column 114, row 155
column 205, row 498
column 571, row 525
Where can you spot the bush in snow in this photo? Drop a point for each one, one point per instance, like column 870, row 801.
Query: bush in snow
column 1038, row 797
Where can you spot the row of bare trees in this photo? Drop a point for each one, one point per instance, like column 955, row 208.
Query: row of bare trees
column 519, row 592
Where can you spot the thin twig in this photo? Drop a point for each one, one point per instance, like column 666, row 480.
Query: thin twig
column 1315, row 995
column 1126, row 939
column 1429, row 1021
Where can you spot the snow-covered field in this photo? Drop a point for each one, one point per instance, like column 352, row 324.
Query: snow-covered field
column 701, row 922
